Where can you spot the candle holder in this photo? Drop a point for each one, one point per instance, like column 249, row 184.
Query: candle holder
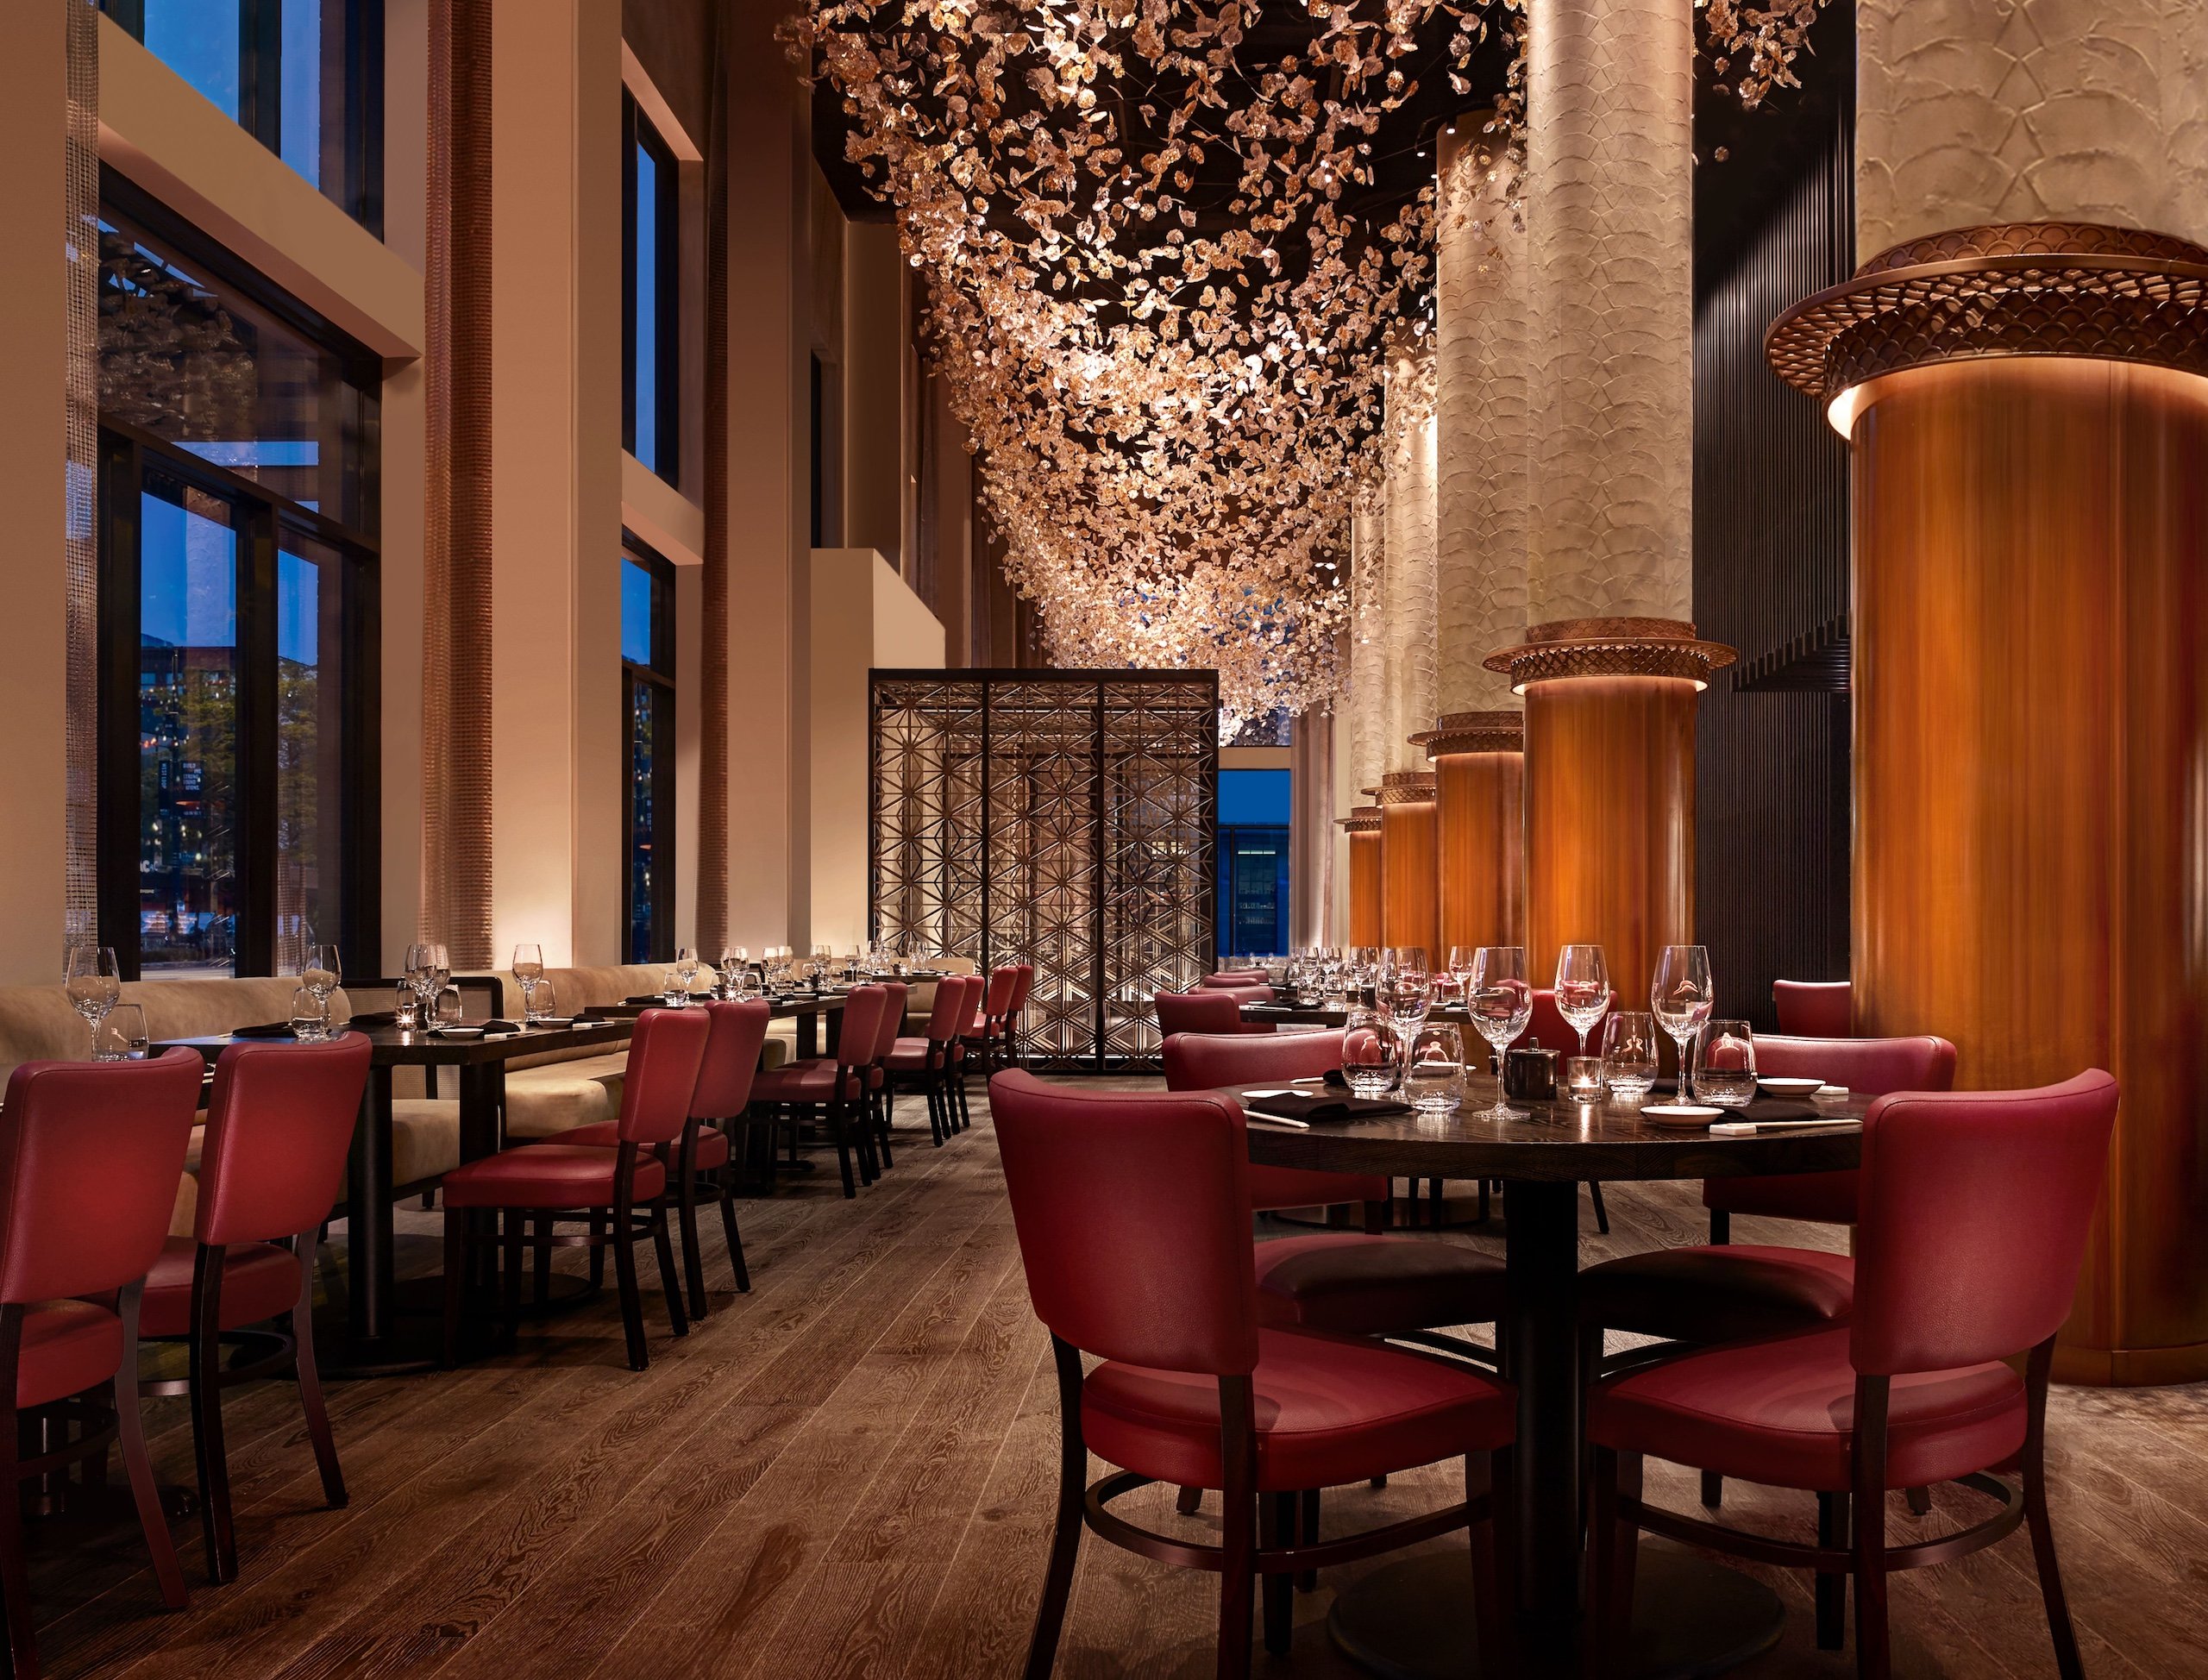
column 1583, row 1078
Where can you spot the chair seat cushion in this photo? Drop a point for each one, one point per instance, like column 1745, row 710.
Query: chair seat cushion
column 1781, row 1412
column 802, row 1081
column 68, row 1345
column 1329, row 1410
column 1297, row 1187
column 1724, row 1293
column 909, row 1056
column 1356, row 1285
column 259, row 1280
column 548, row 1176
column 711, row 1150
column 1826, row 1198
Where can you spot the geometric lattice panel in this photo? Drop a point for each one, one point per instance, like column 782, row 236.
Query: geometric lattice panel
column 1065, row 818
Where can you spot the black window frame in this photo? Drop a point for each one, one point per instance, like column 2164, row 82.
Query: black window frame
column 260, row 39
column 660, row 674
column 638, row 130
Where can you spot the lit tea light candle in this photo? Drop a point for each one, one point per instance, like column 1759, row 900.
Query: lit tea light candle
column 1583, row 1078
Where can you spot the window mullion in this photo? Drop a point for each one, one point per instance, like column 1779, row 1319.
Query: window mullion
column 257, row 793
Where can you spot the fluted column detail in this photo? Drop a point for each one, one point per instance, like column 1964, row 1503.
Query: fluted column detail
column 1480, row 406
column 1409, row 442
column 1609, row 231
column 1975, row 112
column 1368, row 684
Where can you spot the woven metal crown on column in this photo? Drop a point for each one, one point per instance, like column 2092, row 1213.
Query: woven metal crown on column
column 1065, row 818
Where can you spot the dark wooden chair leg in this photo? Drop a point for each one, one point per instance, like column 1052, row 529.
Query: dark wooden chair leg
column 14, row 1575
column 137, row 1464
column 725, row 1193
column 1065, row 1534
column 1832, row 1589
column 1485, row 1206
column 624, row 1243
column 1308, row 1582
column 1236, row 1581
column 669, row 1282
column 693, row 1258
column 455, row 1280
column 1713, row 1489
column 1276, row 1588
column 965, row 1114
column 1920, row 1502
column 510, row 1246
column 598, row 1251
column 2033, row 1463
column 1867, row 1519
column 1489, row 1615
column 208, row 1446
column 1720, row 1226
column 302, row 1360
column 544, row 1228
column 1616, row 1546
column 1189, row 1500
column 1602, row 1214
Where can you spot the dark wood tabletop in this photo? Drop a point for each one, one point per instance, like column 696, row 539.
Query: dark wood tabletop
column 1557, row 1142
column 393, row 1048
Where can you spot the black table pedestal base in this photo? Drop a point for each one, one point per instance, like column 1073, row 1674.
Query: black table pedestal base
column 1692, row 1617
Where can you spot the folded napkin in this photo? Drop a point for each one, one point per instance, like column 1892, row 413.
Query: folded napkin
column 266, row 1030
column 1320, row 1111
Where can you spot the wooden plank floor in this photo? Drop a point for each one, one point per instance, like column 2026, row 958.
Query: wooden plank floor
column 848, row 1472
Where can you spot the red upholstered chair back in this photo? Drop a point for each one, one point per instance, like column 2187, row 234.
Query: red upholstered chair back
column 862, row 1012
column 1004, row 985
column 1234, row 979
column 1132, row 1211
column 895, row 994
column 1198, row 1011
column 1552, row 1030
column 1976, row 1207
column 948, row 1019
column 665, row 1052
column 279, row 1121
column 1871, row 1066
column 90, row 1157
column 1026, row 984
column 736, row 1032
column 1815, row 1008
column 1205, row 1061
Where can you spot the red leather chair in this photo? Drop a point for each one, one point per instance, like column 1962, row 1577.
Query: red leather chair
column 1236, row 980
column 619, row 1193
column 834, row 1088
column 279, row 1121
column 1128, row 1207
column 898, row 996
column 1204, row 1011
column 701, row 1162
column 90, row 1157
column 1815, row 1008
column 984, row 1032
column 1870, row 1066
column 923, row 1063
column 1359, row 1284
column 956, row 1109
column 1977, row 1205
column 1014, row 1020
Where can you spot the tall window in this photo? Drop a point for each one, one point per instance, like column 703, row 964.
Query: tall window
column 648, row 728
column 237, row 611
column 302, row 77
column 651, row 343
column 1253, row 854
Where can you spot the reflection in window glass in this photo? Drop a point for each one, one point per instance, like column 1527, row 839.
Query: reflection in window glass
column 647, row 347
column 648, row 702
column 1253, row 862
column 199, row 40
column 187, row 729
column 187, row 358
column 310, row 595
column 636, row 613
column 650, row 295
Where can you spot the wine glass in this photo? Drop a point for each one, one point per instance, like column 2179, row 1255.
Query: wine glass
column 1681, row 995
column 94, row 983
column 1434, row 1078
column 421, row 975
column 736, row 962
column 1725, row 1064
column 321, row 973
column 1372, row 1053
column 120, row 1035
column 686, row 969
column 1583, row 989
column 1500, row 1000
column 1630, row 1055
column 1407, row 993
column 529, row 968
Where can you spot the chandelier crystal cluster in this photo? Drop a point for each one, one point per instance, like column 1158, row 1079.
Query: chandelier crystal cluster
column 1162, row 288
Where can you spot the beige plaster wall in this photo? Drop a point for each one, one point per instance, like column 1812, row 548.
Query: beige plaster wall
column 865, row 616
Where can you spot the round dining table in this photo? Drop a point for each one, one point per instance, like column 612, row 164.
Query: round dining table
column 1412, row 1619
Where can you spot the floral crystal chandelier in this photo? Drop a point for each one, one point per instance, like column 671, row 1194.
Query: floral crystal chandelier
column 1162, row 287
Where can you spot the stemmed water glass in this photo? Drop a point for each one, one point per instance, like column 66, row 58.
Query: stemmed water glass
column 427, row 968
column 529, row 969
column 1583, row 989
column 321, row 973
column 1406, row 991
column 94, row 984
column 1500, row 1000
column 1681, row 996
column 736, row 968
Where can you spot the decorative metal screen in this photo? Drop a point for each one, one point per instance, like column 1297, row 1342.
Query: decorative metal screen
column 1065, row 818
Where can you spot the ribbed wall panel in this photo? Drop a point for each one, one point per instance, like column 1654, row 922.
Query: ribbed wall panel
column 1771, row 566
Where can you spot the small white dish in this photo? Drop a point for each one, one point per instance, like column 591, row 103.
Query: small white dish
column 1682, row 1116
column 1790, row 1087
column 1831, row 1093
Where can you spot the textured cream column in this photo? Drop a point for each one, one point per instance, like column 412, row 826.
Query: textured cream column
column 1368, row 686
column 1480, row 393
column 1608, row 670
column 1971, row 112
column 1409, row 440
column 1610, row 229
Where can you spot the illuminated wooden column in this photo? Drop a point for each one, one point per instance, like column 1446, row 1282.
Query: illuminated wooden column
column 1611, row 666
column 1366, row 871
column 2030, row 446
column 1480, row 398
column 1410, row 910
